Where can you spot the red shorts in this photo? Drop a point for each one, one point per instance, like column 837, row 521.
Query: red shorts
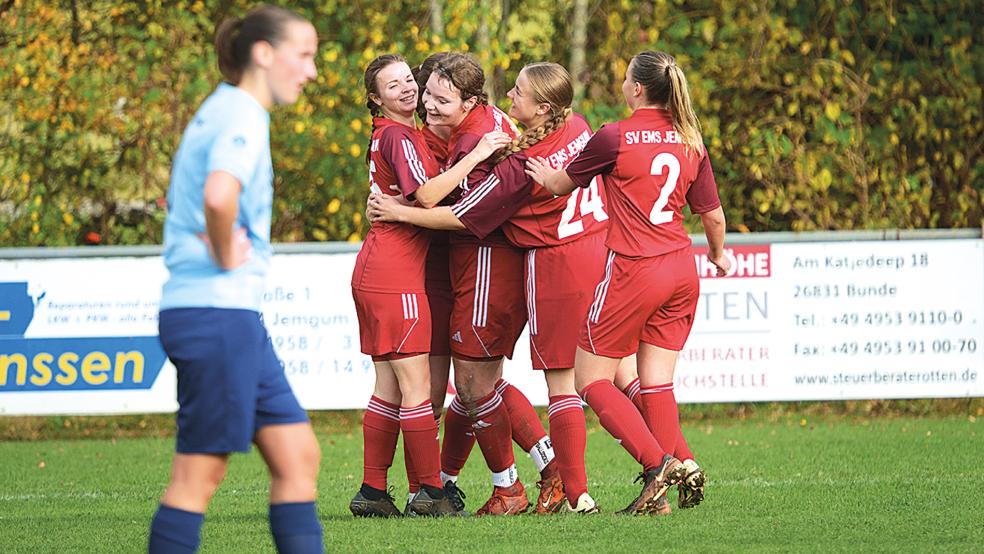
column 651, row 300
column 489, row 312
column 439, row 294
column 393, row 322
column 560, row 283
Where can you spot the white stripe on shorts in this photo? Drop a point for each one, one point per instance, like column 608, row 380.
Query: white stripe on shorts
column 531, row 290
column 483, row 271
column 601, row 291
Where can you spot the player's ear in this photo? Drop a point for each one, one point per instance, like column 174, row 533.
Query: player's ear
column 467, row 105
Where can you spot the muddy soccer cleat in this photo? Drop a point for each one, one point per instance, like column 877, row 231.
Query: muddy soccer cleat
column 506, row 501
column 431, row 501
column 662, row 507
column 455, row 495
column 552, row 497
column 585, row 505
column 655, row 483
column 370, row 502
column 691, row 489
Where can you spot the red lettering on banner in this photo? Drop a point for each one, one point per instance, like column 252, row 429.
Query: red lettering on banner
column 747, row 260
column 723, row 381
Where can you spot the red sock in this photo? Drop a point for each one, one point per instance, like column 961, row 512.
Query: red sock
column 414, row 483
column 661, row 414
column 380, row 430
column 682, row 450
column 458, row 438
column 624, row 422
column 490, row 421
column 527, row 430
column 634, row 391
column 420, row 435
column 569, row 436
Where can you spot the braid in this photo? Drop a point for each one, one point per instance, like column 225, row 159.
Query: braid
column 533, row 136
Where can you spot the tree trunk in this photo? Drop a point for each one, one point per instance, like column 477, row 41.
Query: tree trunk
column 578, row 40
column 437, row 18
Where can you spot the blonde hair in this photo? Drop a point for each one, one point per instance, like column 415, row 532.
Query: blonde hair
column 551, row 84
column 665, row 83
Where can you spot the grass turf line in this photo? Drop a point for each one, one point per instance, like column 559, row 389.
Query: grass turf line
column 825, row 484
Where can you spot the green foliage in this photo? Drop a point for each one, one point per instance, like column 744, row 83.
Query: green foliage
column 818, row 115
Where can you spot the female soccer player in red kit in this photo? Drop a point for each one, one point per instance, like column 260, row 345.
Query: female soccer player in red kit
column 653, row 163
column 488, row 313
column 564, row 241
column 390, row 300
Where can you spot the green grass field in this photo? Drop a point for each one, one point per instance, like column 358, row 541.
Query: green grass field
column 776, row 484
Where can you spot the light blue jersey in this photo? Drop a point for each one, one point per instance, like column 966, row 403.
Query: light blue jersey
column 230, row 132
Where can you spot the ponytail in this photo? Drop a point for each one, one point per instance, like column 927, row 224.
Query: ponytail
column 533, row 136
column 684, row 119
column 666, row 84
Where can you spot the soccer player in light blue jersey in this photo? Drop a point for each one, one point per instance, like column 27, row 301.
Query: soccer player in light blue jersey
column 232, row 391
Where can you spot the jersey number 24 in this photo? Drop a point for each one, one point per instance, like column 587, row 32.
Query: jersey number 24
column 589, row 201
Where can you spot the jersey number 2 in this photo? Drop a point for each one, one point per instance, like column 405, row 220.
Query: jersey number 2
column 590, row 203
column 662, row 161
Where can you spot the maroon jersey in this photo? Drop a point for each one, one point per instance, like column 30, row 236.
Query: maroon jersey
column 536, row 218
column 392, row 256
column 649, row 177
column 482, row 119
column 438, row 146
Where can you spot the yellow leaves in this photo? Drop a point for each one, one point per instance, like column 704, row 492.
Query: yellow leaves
column 355, row 150
column 832, row 110
column 299, row 127
column 198, row 7
column 319, row 234
column 824, row 179
column 330, row 56
column 355, row 237
column 24, row 82
column 848, row 57
column 25, row 178
column 334, row 148
column 35, row 228
column 805, row 48
column 894, row 139
column 18, row 69
column 68, row 218
column 356, row 125
column 333, row 206
column 792, row 108
column 37, row 200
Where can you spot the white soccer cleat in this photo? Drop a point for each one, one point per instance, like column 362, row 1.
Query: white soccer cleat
column 691, row 489
column 585, row 505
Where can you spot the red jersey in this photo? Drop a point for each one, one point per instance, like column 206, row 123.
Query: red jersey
column 392, row 256
column 438, row 146
column 482, row 119
column 648, row 178
column 530, row 215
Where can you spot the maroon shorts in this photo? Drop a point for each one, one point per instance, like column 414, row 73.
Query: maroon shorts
column 649, row 300
column 439, row 294
column 560, row 283
column 393, row 322
column 489, row 311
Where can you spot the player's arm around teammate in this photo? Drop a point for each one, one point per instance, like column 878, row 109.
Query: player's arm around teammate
column 653, row 163
column 232, row 390
column 565, row 249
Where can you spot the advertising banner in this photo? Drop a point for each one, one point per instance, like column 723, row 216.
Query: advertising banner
column 792, row 321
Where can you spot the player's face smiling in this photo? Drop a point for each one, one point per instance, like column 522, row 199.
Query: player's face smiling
column 293, row 62
column 443, row 102
column 397, row 90
column 524, row 106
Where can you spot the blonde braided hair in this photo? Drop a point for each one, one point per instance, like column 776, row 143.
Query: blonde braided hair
column 551, row 84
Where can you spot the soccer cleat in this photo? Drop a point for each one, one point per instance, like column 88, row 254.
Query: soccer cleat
column 655, row 483
column 662, row 507
column 506, row 501
column 431, row 501
column 407, row 512
column 552, row 496
column 370, row 502
column 456, row 495
column 691, row 489
column 585, row 505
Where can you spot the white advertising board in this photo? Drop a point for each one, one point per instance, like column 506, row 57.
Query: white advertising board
column 794, row 321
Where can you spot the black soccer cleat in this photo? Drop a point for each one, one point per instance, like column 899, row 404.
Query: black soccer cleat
column 432, row 501
column 370, row 502
column 455, row 495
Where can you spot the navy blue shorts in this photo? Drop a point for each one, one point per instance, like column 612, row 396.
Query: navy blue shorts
column 230, row 381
